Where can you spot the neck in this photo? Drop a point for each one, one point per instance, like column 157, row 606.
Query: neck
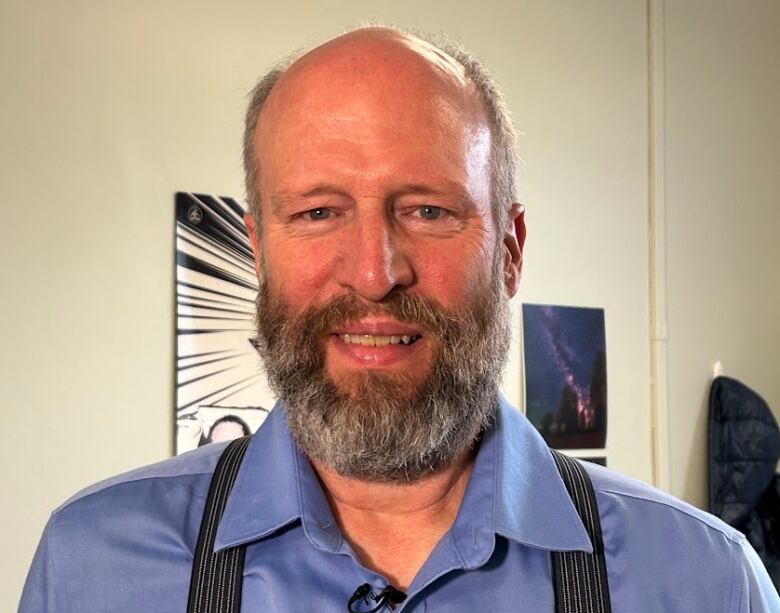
column 393, row 527
column 397, row 498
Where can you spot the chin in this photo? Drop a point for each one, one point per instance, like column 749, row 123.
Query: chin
column 361, row 385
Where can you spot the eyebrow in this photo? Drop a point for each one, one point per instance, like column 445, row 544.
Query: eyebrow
column 328, row 189
column 280, row 199
column 450, row 188
column 446, row 187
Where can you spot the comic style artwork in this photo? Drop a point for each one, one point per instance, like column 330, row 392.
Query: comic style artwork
column 566, row 374
column 220, row 390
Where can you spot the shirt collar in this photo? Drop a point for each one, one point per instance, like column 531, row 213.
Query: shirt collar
column 515, row 490
column 532, row 505
column 265, row 496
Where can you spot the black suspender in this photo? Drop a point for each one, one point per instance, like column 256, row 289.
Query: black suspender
column 215, row 585
column 579, row 579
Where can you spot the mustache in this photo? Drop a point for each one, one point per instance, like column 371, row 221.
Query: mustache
column 318, row 321
column 386, row 427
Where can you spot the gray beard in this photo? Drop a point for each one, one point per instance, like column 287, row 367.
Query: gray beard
column 388, row 428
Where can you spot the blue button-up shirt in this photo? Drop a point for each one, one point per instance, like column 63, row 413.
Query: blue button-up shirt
column 126, row 545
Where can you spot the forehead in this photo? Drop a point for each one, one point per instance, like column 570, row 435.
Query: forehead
column 370, row 89
column 371, row 60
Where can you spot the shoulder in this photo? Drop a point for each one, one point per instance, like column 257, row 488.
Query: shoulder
column 187, row 467
column 619, row 493
column 146, row 520
column 660, row 546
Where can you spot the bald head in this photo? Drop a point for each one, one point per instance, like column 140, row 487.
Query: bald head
column 376, row 69
column 380, row 48
column 375, row 65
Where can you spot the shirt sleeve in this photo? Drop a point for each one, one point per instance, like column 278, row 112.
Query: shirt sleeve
column 757, row 594
column 38, row 595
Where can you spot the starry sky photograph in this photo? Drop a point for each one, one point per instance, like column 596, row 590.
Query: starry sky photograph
column 566, row 374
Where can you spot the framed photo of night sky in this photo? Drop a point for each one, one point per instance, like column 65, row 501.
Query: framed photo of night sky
column 566, row 374
column 220, row 389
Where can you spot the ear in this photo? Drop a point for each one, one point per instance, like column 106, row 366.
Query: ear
column 514, row 241
column 251, row 229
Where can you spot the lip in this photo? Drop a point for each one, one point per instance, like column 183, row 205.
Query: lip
column 378, row 327
column 385, row 356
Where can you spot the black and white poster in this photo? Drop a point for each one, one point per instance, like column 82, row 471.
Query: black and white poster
column 220, row 390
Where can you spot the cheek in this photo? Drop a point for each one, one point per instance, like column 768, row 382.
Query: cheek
column 451, row 274
column 298, row 272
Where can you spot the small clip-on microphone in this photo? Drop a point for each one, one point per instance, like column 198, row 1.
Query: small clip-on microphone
column 389, row 595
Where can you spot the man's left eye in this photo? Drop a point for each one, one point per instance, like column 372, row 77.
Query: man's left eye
column 318, row 214
column 429, row 212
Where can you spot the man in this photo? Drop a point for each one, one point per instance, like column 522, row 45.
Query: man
column 380, row 176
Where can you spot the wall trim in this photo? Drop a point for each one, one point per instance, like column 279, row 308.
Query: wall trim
column 659, row 384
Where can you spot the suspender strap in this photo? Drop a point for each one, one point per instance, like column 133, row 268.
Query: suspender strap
column 215, row 584
column 579, row 578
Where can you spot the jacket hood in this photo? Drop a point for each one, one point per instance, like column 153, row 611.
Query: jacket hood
column 744, row 447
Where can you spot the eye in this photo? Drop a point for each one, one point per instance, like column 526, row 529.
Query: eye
column 429, row 212
column 318, row 214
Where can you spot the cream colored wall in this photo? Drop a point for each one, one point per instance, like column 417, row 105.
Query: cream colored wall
column 723, row 213
column 107, row 109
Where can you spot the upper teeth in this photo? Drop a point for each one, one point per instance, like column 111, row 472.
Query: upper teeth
column 371, row 340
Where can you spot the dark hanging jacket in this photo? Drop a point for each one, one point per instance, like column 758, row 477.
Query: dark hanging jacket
column 744, row 447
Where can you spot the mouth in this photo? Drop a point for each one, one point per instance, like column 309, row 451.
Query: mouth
column 377, row 343
column 376, row 340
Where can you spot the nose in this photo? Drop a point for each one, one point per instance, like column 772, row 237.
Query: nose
column 375, row 258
